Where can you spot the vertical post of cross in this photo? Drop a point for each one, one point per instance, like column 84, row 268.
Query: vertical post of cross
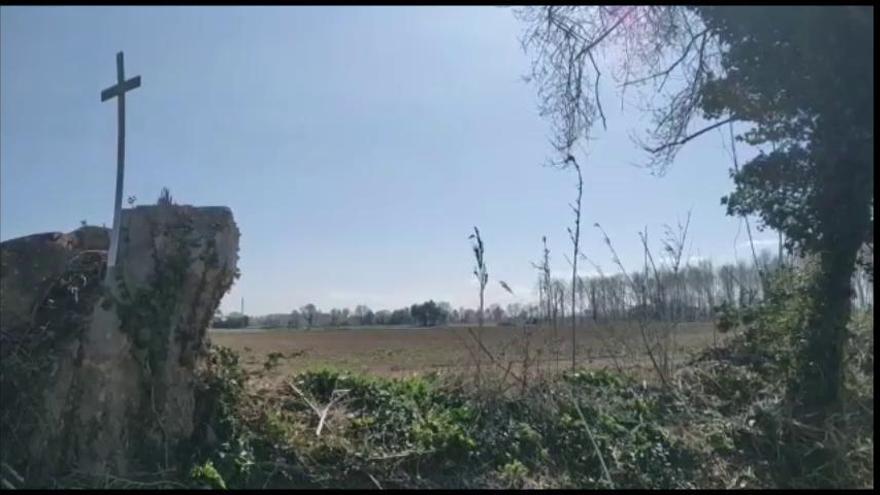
column 118, row 90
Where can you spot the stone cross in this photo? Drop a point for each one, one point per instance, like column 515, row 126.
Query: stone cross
column 118, row 90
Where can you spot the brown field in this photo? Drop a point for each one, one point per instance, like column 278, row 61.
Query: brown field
column 395, row 351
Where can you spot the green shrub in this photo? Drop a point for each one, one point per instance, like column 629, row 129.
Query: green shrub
column 513, row 474
column 207, row 475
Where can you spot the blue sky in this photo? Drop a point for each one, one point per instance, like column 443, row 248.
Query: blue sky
column 356, row 147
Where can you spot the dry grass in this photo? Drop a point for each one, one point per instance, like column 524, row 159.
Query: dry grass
column 396, row 351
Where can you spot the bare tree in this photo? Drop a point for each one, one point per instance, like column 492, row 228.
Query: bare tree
column 544, row 280
column 361, row 312
column 575, row 241
column 657, row 336
column 546, row 299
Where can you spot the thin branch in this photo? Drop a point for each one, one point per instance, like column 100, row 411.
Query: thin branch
column 375, row 481
column 589, row 47
column 679, row 142
column 642, row 325
column 744, row 216
column 321, row 412
column 596, row 92
column 669, row 69
column 492, row 357
column 334, row 399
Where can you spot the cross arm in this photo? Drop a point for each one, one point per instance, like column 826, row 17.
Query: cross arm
column 119, row 89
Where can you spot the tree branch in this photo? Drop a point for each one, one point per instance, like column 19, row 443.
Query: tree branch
column 679, row 142
column 665, row 73
column 596, row 91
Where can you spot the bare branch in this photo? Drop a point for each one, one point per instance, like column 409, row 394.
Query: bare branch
column 744, row 216
column 596, row 92
column 665, row 72
column 321, row 412
column 492, row 357
column 679, row 142
column 657, row 40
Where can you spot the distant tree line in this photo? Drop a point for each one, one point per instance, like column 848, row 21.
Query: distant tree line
column 691, row 293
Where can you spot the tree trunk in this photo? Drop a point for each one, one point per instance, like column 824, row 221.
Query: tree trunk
column 821, row 374
column 844, row 218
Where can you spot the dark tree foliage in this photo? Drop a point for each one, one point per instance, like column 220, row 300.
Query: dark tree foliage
column 804, row 77
column 309, row 311
column 428, row 313
column 400, row 317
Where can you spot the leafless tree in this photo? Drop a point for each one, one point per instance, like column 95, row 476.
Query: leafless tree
column 544, row 280
column 657, row 330
column 546, row 299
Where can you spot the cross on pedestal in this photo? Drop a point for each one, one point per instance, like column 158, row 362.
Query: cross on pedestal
column 118, row 90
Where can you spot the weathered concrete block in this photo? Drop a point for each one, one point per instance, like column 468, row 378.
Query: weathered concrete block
column 108, row 375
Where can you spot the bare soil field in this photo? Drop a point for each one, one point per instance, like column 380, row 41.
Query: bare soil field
column 397, row 351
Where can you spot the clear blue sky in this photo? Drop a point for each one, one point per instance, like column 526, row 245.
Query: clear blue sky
column 356, row 146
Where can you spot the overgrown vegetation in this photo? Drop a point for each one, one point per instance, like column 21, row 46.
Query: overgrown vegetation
column 725, row 422
column 28, row 356
column 774, row 69
column 427, row 432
